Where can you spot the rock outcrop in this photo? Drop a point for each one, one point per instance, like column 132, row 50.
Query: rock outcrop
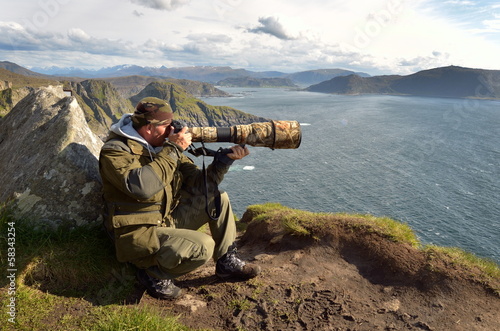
column 10, row 97
column 49, row 168
column 5, row 85
column 101, row 103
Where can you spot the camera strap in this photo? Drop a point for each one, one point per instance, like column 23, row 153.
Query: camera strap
column 215, row 213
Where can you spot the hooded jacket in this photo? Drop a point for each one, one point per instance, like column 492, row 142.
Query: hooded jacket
column 143, row 184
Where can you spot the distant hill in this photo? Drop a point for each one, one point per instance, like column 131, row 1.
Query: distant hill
column 18, row 79
column 130, row 85
column 209, row 74
column 450, row 82
column 256, row 82
column 17, row 69
column 310, row 77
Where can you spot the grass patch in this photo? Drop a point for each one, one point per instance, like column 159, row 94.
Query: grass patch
column 69, row 279
column 135, row 318
column 394, row 230
column 239, row 305
column 480, row 269
column 66, row 261
column 466, row 259
column 317, row 225
column 44, row 311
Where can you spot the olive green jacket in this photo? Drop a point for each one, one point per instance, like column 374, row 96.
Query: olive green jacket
column 141, row 188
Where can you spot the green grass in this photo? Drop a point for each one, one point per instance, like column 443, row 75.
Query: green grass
column 316, row 225
column 45, row 311
column 69, row 279
column 135, row 318
column 481, row 269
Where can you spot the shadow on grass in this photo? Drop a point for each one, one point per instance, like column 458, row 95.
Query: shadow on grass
column 68, row 261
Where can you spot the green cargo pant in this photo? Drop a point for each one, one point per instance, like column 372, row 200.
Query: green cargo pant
column 183, row 248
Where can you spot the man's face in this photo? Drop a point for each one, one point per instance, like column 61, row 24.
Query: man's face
column 158, row 134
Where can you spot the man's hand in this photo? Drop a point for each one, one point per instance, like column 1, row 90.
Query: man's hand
column 182, row 138
column 238, row 152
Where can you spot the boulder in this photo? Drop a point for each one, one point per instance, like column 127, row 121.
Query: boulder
column 49, row 168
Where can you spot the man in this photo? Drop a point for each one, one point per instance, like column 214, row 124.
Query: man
column 155, row 201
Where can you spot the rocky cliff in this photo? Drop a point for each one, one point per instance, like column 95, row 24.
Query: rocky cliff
column 101, row 103
column 49, row 168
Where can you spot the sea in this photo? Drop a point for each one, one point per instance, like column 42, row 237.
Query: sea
column 432, row 163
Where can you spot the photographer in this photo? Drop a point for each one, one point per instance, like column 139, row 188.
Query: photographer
column 155, row 201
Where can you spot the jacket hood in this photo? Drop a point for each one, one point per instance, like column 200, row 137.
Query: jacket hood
column 125, row 129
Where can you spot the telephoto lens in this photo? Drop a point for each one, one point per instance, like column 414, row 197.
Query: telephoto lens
column 273, row 134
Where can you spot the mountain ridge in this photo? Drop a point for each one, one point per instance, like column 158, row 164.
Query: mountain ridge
column 450, row 82
column 209, row 74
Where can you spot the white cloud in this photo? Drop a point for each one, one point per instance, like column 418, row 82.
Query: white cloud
column 271, row 26
column 78, row 35
column 209, row 38
column 13, row 37
column 161, row 4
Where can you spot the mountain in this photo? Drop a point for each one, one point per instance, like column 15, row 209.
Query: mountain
column 209, row 74
column 311, row 77
column 116, row 71
column 17, row 69
column 256, row 82
column 450, row 82
column 130, row 85
column 20, row 77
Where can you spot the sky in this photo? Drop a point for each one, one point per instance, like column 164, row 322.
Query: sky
column 372, row 36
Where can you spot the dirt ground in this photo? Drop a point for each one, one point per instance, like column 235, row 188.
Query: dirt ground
column 343, row 282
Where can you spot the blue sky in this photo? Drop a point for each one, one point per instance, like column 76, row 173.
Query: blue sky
column 374, row 36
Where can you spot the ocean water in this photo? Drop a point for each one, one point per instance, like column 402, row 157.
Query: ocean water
column 433, row 163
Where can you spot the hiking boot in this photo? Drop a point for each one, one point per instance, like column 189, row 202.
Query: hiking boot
column 158, row 288
column 230, row 266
